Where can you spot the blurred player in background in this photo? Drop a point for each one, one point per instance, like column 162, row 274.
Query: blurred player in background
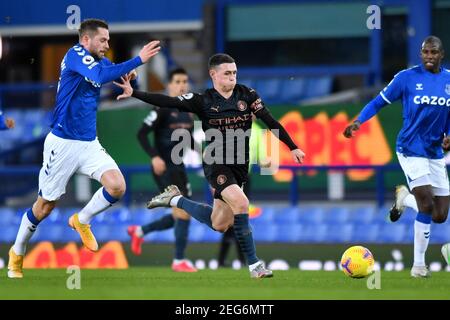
column 163, row 122
column 223, row 109
column 72, row 145
column 6, row 123
column 425, row 94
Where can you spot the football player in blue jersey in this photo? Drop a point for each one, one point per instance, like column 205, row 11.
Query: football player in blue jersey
column 425, row 94
column 72, row 145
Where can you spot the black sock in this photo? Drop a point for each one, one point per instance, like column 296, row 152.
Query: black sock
column 164, row 223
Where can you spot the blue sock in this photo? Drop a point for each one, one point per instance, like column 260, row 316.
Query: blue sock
column 164, row 223
column 181, row 237
column 31, row 217
column 243, row 232
column 201, row 212
column 423, row 217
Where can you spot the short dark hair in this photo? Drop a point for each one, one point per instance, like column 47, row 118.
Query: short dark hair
column 218, row 59
column 176, row 71
column 435, row 41
column 91, row 26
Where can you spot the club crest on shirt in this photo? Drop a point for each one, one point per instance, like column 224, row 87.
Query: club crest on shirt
column 221, row 179
column 447, row 88
column 242, row 105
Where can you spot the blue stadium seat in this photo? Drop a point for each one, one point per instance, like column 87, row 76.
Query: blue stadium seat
column 313, row 233
column 365, row 233
column 289, row 232
column 337, row 214
column 362, row 214
column 269, row 89
column 287, row 215
column 440, row 233
column 118, row 232
column 292, row 90
column 49, row 232
column 267, row 215
column 163, row 236
column 116, row 215
column 266, row 234
column 339, row 232
column 6, row 216
column 392, row 232
column 8, row 233
column 408, row 216
column 311, row 214
column 317, row 87
column 196, row 233
column 248, row 82
column 211, row 236
column 102, row 232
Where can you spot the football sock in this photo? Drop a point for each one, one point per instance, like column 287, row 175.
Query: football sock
column 181, row 237
column 26, row 230
column 101, row 201
column 166, row 222
column 410, row 201
column 421, row 237
column 243, row 232
column 174, row 201
column 201, row 212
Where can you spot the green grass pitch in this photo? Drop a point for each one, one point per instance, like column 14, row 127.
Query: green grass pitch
column 162, row 283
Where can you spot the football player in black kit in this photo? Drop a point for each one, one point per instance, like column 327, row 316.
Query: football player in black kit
column 163, row 122
column 226, row 115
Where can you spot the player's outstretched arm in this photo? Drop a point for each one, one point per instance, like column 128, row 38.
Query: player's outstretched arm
column 85, row 65
column 188, row 102
column 297, row 154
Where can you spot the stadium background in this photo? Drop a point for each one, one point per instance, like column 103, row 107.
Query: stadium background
column 315, row 63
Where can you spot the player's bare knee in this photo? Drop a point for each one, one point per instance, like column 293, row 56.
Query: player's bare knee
column 220, row 227
column 241, row 206
column 116, row 189
column 440, row 218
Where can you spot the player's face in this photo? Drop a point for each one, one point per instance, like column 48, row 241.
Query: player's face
column 179, row 85
column 98, row 43
column 431, row 56
column 224, row 76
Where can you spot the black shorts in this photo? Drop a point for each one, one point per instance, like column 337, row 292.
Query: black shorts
column 174, row 175
column 221, row 176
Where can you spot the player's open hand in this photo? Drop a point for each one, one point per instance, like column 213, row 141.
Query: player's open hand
column 126, row 87
column 298, row 155
column 349, row 132
column 150, row 50
column 446, row 143
column 10, row 123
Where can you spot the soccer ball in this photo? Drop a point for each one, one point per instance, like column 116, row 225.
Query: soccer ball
column 357, row 262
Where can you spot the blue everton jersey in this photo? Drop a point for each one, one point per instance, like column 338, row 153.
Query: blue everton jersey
column 75, row 114
column 426, row 102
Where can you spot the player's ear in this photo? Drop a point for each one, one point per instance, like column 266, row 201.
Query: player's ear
column 212, row 73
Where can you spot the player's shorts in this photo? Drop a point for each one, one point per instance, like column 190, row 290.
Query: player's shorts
column 174, row 175
column 423, row 171
column 64, row 157
column 221, row 176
